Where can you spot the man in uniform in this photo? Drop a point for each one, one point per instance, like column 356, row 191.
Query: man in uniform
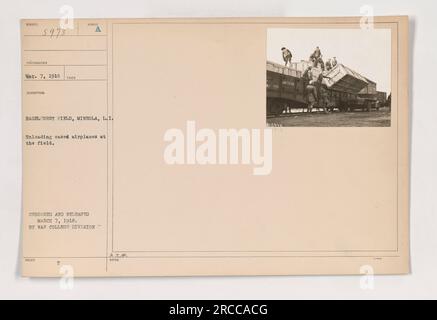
column 323, row 93
column 317, row 53
column 316, row 91
column 310, row 89
column 316, row 58
column 328, row 65
column 334, row 62
column 286, row 55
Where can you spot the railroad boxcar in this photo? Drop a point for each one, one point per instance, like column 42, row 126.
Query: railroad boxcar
column 382, row 97
column 286, row 89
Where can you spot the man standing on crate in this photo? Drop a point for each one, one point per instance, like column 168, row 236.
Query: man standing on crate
column 286, row 55
column 316, row 59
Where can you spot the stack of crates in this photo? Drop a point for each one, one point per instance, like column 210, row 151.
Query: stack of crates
column 342, row 78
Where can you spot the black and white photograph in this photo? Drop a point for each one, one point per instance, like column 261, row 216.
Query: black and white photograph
column 328, row 77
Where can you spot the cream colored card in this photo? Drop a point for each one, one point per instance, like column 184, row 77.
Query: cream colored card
column 180, row 147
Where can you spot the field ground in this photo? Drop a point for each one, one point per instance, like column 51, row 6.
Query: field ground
column 379, row 118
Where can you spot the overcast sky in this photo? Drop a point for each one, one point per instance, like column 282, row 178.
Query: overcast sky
column 365, row 51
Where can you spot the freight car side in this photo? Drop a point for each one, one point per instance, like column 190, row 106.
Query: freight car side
column 340, row 91
column 283, row 92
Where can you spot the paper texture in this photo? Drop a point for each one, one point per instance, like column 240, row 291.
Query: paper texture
column 127, row 169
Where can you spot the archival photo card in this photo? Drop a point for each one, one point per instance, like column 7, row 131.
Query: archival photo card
column 146, row 150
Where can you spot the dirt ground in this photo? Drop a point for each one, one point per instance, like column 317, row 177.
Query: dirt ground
column 374, row 118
